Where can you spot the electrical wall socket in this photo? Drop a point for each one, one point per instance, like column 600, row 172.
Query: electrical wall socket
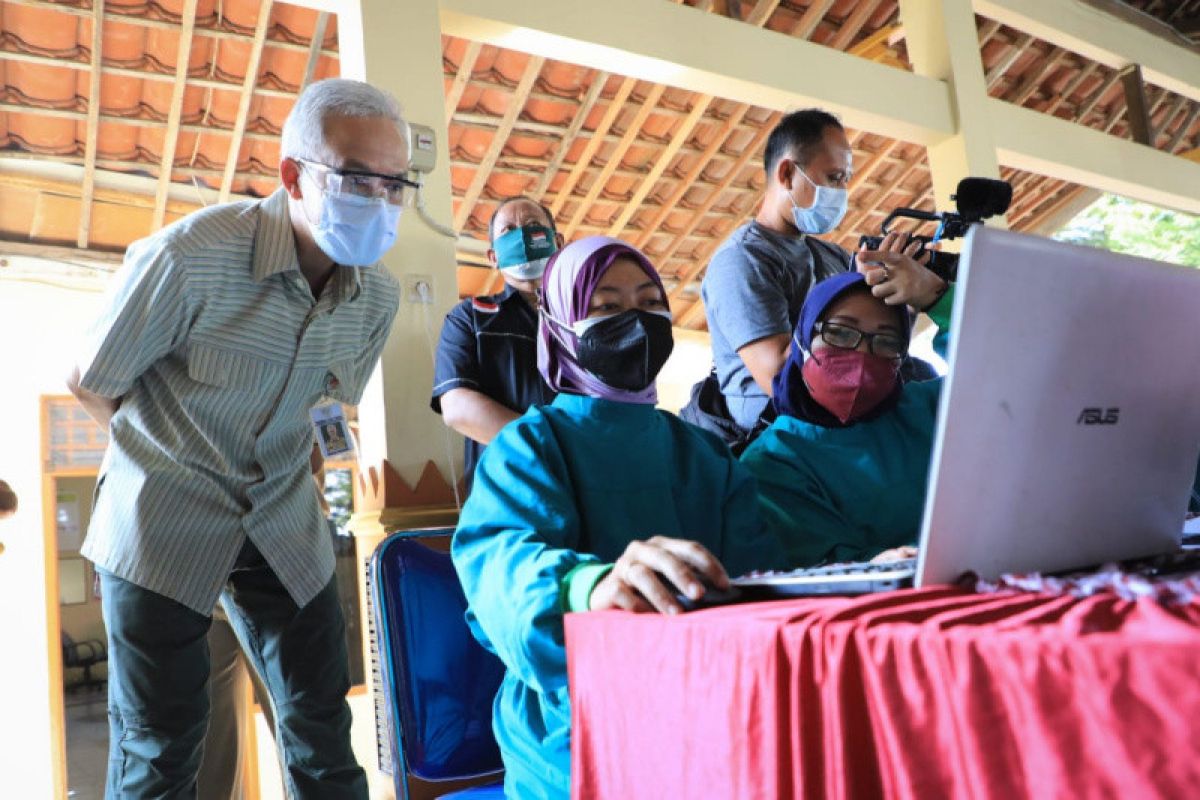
column 418, row 288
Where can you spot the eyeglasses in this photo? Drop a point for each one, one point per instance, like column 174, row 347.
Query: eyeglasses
column 884, row 345
column 393, row 188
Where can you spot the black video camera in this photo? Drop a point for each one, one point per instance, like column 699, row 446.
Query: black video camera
column 976, row 198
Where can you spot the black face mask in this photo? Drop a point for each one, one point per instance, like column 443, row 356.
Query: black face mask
column 626, row 350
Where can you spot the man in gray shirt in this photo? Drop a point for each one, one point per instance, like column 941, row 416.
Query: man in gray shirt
column 758, row 278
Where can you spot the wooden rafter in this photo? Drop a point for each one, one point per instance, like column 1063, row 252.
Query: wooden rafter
column 1177, row 108
column 758, row 17
column 1094, row 98
column 614, row 158
column 811, row 18
column 93, row 126
column 762, row 12
column 689, row 180
column 1015, row 51
column 594, row 141
column 879, row 38
column 174, row 117
column 461, row 78
column 136, row 16
column 1072, row 85
column 661, row 162
column 139, row 74
column 599, row 79
column 1031, row 83
column 515, row 103
column 1183, row 129
column 243, row 112
column 714, row 195
column 314, row 48
column 854, row 24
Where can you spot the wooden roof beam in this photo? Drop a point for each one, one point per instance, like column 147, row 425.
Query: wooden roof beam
column 247, row 95
column 139, row 74
column 1066, row 151
column 689, row 180
column 661, row 162
column 614, row 158
column 461, row 78
column 515, row 104
column 597, row 138
column 1136, row 108
column 854, row 23
column 136, row 16
column 750, row 151
column 1110, row 37
column 599, row 79
column 93, row 127
column 867, row 95
column 314, row 48
column 174, row 116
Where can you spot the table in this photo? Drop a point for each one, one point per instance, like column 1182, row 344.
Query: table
column 924, row 693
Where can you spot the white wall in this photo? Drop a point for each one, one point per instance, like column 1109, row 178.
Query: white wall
column 37, row 327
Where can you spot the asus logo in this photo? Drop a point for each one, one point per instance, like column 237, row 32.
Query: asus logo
column 1098, row 416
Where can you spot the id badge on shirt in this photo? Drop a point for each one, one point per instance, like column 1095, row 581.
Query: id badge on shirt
column 333, row 434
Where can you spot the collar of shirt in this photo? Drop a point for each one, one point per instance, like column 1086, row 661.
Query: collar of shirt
column 275, row 249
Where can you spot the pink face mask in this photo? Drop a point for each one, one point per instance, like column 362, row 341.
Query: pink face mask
column 849, row 383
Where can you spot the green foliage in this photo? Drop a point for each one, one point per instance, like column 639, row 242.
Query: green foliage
column 1126, row 226
column 340, row 496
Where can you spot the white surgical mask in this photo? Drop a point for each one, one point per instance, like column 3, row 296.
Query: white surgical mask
column 355, row 231
column 828, row 208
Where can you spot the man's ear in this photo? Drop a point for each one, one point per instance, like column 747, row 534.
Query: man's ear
column 491, row 257
column 289, row 175
column 783, row 172
column 559, row 241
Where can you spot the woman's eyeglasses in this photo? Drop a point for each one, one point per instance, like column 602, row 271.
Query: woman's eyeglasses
column 884, row 345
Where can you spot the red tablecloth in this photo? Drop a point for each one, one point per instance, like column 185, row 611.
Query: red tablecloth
column 930, row 693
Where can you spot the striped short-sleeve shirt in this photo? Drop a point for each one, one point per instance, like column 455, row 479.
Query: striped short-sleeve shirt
column 217, row 349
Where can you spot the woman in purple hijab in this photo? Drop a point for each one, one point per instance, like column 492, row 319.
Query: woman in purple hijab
column 599, row 500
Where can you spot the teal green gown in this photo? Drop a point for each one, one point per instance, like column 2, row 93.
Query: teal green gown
column 847, row 494
column 568, row 484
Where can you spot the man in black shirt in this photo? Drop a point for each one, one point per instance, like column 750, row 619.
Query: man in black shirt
column 486, row 368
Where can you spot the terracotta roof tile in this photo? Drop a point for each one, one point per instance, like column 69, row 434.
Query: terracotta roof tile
column 689, row 209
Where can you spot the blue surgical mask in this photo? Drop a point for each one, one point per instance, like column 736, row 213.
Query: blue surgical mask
column 828, row 208
column 355, row 231
column 522, row 253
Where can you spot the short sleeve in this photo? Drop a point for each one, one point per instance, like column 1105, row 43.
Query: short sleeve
column 743, row 298
column 146, row 317
column 456, row 364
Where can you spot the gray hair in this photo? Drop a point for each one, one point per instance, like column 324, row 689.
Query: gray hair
column 304, row 130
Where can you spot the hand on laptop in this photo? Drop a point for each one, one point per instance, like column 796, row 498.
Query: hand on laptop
column 895, row 554
column 643, row 576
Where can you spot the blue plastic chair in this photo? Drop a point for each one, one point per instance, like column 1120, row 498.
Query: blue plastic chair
column 438, row 683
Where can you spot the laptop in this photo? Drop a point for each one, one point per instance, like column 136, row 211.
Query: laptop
column 1069, row 427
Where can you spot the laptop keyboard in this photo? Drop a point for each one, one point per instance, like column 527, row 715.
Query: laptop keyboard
column 855, row 577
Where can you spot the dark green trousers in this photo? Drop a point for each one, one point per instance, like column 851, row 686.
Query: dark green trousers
column 158, row 684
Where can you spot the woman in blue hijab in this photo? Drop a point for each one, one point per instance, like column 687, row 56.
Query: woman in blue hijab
column 598, row 500
column 842, row 471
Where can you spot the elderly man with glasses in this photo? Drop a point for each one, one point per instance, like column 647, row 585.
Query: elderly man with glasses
column 222, row 331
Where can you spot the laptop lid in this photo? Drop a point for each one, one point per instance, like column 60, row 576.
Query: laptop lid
column 1069, row 425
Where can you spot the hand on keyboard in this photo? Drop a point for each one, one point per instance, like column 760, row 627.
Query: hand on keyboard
column 895, row 554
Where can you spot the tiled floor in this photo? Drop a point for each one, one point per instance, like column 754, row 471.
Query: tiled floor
column 87, row 743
